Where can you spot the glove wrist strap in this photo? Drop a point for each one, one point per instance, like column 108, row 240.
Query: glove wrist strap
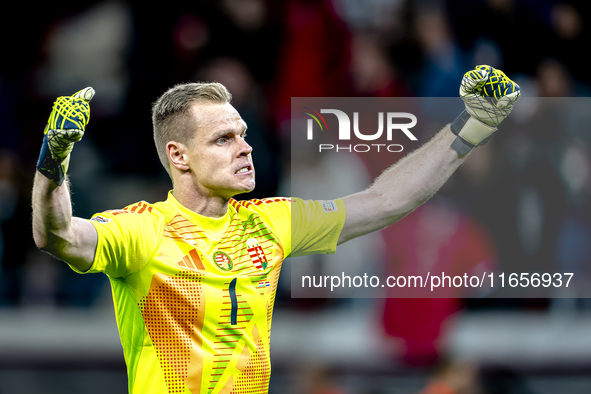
column 48, row 166
column 470, row 131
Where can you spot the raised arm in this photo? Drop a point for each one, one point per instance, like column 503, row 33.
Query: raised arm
column 55, row 230
column 402, row 187
column 489, row 97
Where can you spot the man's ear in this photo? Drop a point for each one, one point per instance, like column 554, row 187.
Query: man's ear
column 177, row 155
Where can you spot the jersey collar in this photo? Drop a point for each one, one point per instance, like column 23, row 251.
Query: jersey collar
column 213, row 225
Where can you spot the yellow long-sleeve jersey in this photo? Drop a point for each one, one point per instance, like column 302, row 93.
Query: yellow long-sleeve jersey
column 194, row 295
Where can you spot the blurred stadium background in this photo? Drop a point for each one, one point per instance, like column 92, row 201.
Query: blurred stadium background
column 526, row 193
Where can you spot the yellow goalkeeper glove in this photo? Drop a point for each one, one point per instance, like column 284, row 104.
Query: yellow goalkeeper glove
column 489, row 96
column 66, row 125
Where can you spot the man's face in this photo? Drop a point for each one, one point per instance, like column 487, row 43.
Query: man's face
column 219, row 157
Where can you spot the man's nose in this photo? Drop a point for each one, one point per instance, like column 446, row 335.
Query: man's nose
column 245, row 147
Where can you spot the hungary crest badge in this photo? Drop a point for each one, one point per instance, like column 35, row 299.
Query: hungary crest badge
column 256, row 253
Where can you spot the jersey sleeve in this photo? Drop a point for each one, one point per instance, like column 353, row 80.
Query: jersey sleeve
column 316, row 226
column 126, row 241
column 305, row 227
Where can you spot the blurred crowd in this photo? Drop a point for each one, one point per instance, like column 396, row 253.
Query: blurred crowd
column 524, row 196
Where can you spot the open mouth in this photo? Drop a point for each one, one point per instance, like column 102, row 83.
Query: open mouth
column 244, row 170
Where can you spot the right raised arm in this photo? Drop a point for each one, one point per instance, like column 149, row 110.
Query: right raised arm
column 68, row 238
column 55, row 231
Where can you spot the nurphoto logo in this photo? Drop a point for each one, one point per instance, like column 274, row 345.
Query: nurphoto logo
column 395, row 122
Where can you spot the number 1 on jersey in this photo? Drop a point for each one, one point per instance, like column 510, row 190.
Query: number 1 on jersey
column 234, row 314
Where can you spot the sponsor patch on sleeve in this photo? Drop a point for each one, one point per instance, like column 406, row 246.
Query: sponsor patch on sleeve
column 329, row 206
column 101, row 219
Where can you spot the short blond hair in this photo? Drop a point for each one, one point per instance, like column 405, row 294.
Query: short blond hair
column 169, row 113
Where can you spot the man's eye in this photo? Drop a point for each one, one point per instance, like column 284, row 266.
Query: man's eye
column 222, row 140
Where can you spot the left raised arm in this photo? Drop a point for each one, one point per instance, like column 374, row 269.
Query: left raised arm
column 489, row 97
column 402, row 187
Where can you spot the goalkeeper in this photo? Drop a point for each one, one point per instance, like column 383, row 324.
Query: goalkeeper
column 194, row 277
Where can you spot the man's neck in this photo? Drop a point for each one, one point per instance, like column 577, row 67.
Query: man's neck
column 210, row 206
